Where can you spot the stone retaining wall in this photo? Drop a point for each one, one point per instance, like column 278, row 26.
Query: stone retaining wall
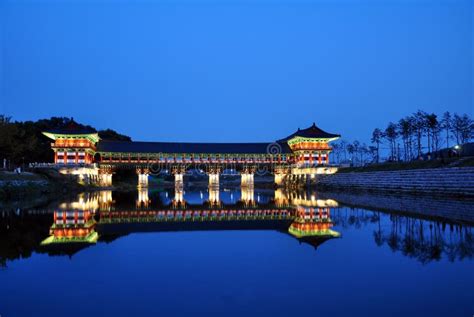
column 23, row 183
column 450, row 210
column 457, row 181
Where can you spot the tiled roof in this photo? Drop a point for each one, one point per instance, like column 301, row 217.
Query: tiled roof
column 312, row 132
column 175, row 147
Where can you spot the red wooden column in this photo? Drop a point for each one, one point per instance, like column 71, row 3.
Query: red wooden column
column 76, row 158
column 55, row 156
column 320, row 159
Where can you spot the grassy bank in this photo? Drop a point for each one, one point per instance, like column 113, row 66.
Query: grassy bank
column 396, row 166
column 35, row 186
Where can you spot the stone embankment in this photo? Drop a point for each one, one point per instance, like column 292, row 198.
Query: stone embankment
column 442, row 208
column 17, row 186
column 23, row 183
column 454, row 181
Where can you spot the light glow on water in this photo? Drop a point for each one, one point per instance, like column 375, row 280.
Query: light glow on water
column 286, row 254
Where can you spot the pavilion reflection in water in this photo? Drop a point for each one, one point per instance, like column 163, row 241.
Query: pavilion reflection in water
column 106, row 216
column 96, row 215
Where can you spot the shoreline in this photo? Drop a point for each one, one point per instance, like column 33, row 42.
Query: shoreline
column 439, row 208
column 447, row 182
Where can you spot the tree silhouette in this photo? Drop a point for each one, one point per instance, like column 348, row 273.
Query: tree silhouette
column 377, row 139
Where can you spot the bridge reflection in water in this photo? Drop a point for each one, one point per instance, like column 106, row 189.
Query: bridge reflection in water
column 106, row 215
column 97, row 215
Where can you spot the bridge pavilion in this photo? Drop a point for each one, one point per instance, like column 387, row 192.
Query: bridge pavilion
column 79, row 150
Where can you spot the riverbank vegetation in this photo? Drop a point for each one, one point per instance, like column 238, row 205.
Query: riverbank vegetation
column 42, row 185
column 402, row 165
column 22, row 142
column 418, row 136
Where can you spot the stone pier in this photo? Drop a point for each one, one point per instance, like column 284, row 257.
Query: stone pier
column 142, row 177
column 247, row 176
column 178, row 180
column 105, row 176
column 178, row 173
column 143, row 200
column 105, row 180
column 214, row 196
column 178, row 200
column 214, row 177
column 247, row 179
column 247, row 195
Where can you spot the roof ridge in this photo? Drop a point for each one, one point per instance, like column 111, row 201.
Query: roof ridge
column 179, row 142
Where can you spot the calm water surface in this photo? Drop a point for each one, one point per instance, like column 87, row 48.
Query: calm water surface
column 233, row 252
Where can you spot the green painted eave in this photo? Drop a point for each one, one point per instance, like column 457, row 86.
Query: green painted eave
column 90, row 238
column 93, row 137
column 298, row 139
column 313, row 233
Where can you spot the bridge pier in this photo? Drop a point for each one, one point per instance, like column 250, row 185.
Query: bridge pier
column 247, row 195
column 105, row 199
column 246, row 179
column 280, row 174
column 247, row 176
column 178, row 200
column 96, row 179
column 178, row 180
column 142, row 178
column 85, row 179
column 143, row 200
column 281, row 198
column 178, row 173
column 105, row 177
column 214, row 196
column 279, row 179
column 214, row 177
column 105, row 180
column 214, row 180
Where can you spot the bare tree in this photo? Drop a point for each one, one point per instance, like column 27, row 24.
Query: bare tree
column 356, row 145
column 390, row 135
column 462, row 128
column 446, row 124
column 431, row 125
column 377, row 139
column 4, row 119
column 336, row 150
column 374, row 153
column 363, row 153
column 405, row 129
column 420, row 128
column 343, row 144
column 350, row 150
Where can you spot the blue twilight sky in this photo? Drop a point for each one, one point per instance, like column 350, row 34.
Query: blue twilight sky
column 235, row 70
